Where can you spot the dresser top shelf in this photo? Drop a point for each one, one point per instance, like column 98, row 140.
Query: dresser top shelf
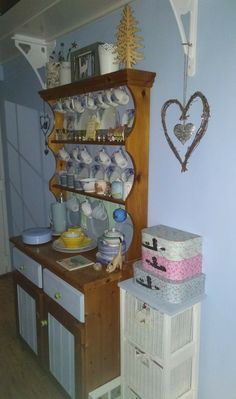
column 128, row 77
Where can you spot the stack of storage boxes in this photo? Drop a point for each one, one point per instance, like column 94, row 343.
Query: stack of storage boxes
column 171, row 265
column 160, row 317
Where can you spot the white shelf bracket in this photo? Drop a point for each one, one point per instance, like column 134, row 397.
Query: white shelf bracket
column 36, row 51
column 180, row 8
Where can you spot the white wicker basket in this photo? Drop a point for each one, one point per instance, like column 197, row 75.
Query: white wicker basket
column 142, row 374
column 146, row 327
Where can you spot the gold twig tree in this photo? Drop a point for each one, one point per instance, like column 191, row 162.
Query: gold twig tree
column 128, row 42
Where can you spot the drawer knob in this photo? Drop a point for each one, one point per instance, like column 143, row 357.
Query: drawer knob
column 57, row 295
column 44, row 323
column 21, row 268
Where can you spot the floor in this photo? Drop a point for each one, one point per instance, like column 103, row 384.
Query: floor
column 20, row 375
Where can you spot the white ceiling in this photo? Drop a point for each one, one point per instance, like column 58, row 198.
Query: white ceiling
column 48, row 19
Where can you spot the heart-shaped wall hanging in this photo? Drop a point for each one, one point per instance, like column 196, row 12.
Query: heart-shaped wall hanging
column 184, row 131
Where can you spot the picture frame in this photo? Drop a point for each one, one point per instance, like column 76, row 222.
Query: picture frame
column 85, row 62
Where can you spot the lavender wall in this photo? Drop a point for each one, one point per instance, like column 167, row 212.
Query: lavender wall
column 202, row 200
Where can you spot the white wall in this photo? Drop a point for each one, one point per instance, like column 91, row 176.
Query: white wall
column 201, row 200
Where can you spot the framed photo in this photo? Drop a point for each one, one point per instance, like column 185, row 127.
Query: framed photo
column 85, row 62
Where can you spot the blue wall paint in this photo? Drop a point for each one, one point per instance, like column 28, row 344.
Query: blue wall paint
column 201, row 200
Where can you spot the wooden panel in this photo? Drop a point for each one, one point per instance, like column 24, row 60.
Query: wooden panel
column 77, row 330
column 37, row 295
column 27, row 318
column 61, row 355
column 102, row 335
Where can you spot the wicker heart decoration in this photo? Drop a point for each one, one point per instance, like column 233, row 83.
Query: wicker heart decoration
column 184, row 134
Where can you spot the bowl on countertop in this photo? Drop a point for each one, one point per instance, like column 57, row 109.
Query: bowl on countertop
column 72, row 239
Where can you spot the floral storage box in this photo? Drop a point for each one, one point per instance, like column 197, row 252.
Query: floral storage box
column 171, row 291
column 171, row 253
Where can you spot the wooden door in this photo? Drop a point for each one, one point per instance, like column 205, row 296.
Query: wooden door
column 4, row 237
column 65, row 349
column 29, row 308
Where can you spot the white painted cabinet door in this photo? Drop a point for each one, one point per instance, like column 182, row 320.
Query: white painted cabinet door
column 62, row 355
column 4, row 243
column 27, row 318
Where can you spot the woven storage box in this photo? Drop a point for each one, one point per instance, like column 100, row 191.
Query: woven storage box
column 171, row 253
column 169, row 290
column 147, row 379
column 146, row 327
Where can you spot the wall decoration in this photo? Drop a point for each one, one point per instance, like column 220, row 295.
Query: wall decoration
column 85, row 62
column 184, row 131
column 128, row 42
column 45, row 123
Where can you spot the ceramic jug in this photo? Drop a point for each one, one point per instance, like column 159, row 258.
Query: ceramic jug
column 59, row 217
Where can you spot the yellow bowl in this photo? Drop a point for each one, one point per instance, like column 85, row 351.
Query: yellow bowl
column 72, row 239
column 75, row 229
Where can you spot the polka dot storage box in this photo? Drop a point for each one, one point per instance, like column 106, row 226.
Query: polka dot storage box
column 171, row 291
column 171, row 253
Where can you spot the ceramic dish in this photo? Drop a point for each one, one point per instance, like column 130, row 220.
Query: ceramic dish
column 88, row 245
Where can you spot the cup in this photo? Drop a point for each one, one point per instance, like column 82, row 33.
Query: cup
column 108, row 98
column 73, row 204
column 59, row 217
column 120, row 96
column 77, row 105
column 85, row 156
column 103, row 157
column 120, row 160
column 102, row 187
column 89, row 102
column 117, row 189
column 86, row 208
column 63, row 154
column 99, row 211
column 100, row 100
column 63, row 179
column 75, row 154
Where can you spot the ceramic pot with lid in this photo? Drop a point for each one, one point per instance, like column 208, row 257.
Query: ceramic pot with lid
column 113, row 236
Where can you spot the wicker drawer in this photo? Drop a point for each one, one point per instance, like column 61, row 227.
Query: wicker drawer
column 148, row 379
column 148, row 327
column 28, row 267
column 64, row 294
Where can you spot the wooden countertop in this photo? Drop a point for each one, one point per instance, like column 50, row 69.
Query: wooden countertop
column 83, row 279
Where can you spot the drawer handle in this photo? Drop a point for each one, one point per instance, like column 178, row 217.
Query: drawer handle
column 21, row 268
column 57, row 295
column 44, row 323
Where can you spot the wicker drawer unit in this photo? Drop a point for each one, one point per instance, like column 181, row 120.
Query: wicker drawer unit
column 159, row 350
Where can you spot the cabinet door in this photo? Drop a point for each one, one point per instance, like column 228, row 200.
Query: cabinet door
column 65, row 349
column 27, row 318
column 29, row 306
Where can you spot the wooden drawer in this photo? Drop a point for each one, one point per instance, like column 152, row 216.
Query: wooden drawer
column 28, row 267
column 64, row 294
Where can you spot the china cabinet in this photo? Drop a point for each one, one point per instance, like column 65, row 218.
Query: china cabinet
column 135, row 143
column 81, row 308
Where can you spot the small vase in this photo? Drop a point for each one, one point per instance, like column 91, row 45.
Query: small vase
column 52, row 74
column 107, row 56
column 65, row 72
